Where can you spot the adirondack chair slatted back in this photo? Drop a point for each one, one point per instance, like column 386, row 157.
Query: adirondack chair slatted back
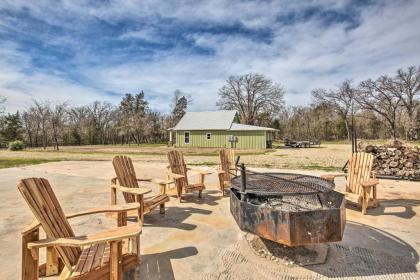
column 231, row 159
column 225, row 156
column 126, row 175
column 47, row 210
column 360, row 168
column 177, row 165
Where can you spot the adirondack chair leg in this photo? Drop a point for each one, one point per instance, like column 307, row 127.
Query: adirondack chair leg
column 139, row 199
column 162, row 191
column 53, row 262
column 115, row 261
column 179, row 192
column 375, row 200
column 113, row 196
column 29, row 263
column 221, row 185
column 365, row 199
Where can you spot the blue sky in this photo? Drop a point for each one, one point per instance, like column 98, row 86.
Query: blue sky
column 82, row 51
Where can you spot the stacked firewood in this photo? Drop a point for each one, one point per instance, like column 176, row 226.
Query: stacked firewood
column 394, row 159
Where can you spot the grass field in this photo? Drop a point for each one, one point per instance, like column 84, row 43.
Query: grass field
column 14, row 162
column 329, row 156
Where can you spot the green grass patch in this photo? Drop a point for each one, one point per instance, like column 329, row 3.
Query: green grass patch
column 15, row 162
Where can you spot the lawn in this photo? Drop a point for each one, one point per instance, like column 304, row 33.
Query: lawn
column 331, row 156
column 15, row 162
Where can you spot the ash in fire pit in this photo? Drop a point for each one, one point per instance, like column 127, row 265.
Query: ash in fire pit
column 290, row 209
column 291, row 203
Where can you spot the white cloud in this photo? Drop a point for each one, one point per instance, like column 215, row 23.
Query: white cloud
column 301, row 55
column 21, row 86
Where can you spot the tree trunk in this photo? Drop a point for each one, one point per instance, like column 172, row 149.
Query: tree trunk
column 346, row 122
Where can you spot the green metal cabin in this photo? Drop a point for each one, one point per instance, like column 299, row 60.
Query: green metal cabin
column 217, row 129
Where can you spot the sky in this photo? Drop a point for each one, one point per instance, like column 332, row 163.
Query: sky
column 82, row 51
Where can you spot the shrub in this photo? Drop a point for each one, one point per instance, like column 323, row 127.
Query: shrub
column 16, row 145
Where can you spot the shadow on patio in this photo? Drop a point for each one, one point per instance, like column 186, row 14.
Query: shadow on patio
column 367, row 251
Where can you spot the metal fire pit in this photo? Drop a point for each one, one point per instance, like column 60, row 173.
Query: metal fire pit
column 290, row 209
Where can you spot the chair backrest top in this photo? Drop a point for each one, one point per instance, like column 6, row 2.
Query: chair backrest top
column 43, row 203
column 178, row 166
column 126, row 175
column 359, row 169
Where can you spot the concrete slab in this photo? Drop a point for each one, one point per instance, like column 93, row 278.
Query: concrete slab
column 198, row 239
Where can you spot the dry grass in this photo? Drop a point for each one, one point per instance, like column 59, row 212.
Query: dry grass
column 327, row 157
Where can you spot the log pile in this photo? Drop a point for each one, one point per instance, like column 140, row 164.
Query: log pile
column 394, row 159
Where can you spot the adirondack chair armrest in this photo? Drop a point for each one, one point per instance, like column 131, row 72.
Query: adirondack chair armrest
column 176, row 176
column 331, row 177
column 201, row 172
column 106, row 209
column 115, row 179
column 115, row 234
column 139, row 191
column 144, row 180
column 162, row 181
column 369, row 183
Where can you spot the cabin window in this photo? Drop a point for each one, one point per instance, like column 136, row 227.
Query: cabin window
column 186, row 137
column 208, row 136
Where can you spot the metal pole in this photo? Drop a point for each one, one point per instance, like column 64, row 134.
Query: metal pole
column 243, row 181
column 355, row 141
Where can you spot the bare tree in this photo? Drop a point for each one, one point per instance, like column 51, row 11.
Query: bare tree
column 406, row 86
column 79, row 118
column 251, row 95
column 341, row 99
column 101, row 114
column 58, row 115
column 42, row 113
column 379, row 97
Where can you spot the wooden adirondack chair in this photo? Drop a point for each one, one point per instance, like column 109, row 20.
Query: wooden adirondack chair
column 361, row 182
column 127, row 182
column 227, row 168
column 177, row 170
column 103, row 255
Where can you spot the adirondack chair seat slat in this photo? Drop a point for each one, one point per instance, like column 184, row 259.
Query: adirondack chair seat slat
column 96, row 257
column 152, row 202
column 194, row 187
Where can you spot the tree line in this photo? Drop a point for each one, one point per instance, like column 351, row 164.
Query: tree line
column 132, row 121
column 388, row 106
column 384, row 107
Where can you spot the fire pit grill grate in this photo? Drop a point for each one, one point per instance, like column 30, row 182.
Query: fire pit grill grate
column 282, row 184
